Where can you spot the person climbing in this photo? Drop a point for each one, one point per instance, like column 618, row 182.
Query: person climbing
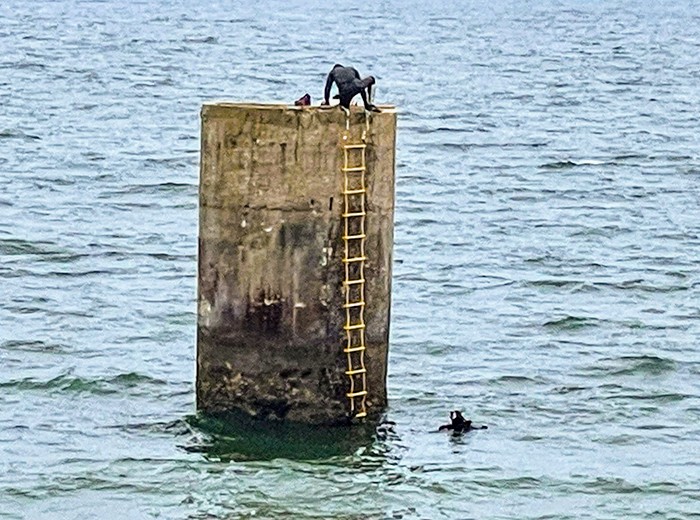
column 349, row 84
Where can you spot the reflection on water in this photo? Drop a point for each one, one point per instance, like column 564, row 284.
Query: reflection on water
column 236, row 436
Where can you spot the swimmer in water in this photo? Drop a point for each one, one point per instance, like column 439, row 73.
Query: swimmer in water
column 459, row 424
column 349, row 85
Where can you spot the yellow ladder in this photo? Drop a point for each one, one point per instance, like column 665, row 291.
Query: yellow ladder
column 354, row 213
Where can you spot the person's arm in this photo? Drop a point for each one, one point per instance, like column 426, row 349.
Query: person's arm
column 368, row 105
column 327, row 89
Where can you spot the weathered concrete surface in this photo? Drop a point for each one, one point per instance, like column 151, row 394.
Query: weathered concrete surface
column 270, row 291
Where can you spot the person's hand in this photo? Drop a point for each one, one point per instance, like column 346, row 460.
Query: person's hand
column 373, row 108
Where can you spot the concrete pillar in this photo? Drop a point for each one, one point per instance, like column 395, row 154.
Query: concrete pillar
column 270, row 322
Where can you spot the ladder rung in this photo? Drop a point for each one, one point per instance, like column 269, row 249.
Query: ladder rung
column 357, row 394
column 354, row 192
column 354, row 169
column 349, row 350
column 356, row 214
column 356, row 371
column 354, row 237
column 352, row 305
column 358, row 326
column 354, row 282
column 354, row 259
column 354, row 146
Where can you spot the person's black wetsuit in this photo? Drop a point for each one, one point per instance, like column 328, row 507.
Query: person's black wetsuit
column 349, row 85
column 460, row 424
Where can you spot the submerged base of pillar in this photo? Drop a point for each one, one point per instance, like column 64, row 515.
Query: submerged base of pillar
column 236, row 378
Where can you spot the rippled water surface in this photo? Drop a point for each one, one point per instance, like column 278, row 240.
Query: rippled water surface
column 547, row 275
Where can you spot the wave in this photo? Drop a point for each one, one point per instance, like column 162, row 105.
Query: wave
column 170, row 187
column 561, row 165
column 651, row 365
column 18, row 246
column 66, row 383
column 642, row 365
column 572, row 323
column 513, row 379
column 32, row 346
column 577, row 285
column 18, row 134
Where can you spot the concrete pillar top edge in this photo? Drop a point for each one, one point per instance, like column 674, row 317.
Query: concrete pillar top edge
column 220, row 108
